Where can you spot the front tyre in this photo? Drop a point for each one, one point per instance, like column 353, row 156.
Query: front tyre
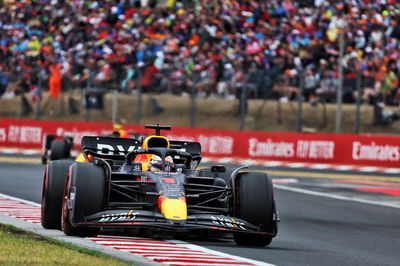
column 254, row 204
column 53, row 186
column 83, row 196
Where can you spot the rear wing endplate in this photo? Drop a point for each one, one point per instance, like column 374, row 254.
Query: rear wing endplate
column 194, row 148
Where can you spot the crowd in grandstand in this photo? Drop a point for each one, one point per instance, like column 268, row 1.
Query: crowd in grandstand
column 217, row 47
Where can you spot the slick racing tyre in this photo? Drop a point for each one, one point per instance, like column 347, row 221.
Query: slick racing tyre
column 254, row 204
column 52, row 193
column 60, row 149
column 83, row 196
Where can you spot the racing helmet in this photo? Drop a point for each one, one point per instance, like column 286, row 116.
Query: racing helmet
column 119, row 131
column 156, row 164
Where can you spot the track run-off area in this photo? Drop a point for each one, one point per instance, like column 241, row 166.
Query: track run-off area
column 327, row 218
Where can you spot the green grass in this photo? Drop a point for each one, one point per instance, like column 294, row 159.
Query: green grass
column 19, row 247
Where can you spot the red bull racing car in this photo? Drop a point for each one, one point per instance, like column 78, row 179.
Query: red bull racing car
column 154, row 184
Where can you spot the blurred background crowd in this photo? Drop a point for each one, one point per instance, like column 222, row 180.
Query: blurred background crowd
column 217, row 47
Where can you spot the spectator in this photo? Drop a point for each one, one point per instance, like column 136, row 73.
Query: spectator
column 389, row 83
column 103, row 76
column 128, row 83
column 100, row 43
column 148, row 78
column 55, row 79
column 3, row 80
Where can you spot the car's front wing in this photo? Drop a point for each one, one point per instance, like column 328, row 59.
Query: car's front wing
column 150, row 219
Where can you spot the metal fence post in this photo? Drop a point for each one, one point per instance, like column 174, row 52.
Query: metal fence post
column 84, row 93
column 358, row 102
column 299, row 115
column 193, row 111
column 38, row 98
column 87, row 111
column 243, row 100
column 340, row 85
column 114, row 107
column 139, row 97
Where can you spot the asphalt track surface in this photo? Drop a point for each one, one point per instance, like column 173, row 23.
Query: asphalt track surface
column 313, row 230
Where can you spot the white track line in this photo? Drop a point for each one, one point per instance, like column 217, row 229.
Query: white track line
column 170, row 254
column 173, row 252
column 214, row 252
column 391, row 171
column 20, row 200
column 118, row 237
column 225, row 160
column 296, row 165
column 368, row 169
column 201, row 264
column 283, row 181
column 326, row 195
column 344, row 167
column 133, row 243
column 181, row 256
column 272, row 164
column 320, row 166
column 197, row 258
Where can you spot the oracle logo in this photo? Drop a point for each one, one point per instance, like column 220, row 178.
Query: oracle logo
column 375, row 152
column 270, row 148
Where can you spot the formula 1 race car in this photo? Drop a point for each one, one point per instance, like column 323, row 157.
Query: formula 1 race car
column 56, row 147
column 115, row 189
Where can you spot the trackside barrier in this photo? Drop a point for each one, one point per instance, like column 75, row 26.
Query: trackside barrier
column 349, row 149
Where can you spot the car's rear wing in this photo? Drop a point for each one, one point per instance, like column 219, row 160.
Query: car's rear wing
column 108, row 147
column 117, row 148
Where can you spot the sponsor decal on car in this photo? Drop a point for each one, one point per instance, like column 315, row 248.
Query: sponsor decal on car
column 232, row 223
column 123, row 216
column 106, row 149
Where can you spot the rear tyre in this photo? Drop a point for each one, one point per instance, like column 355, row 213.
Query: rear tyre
column 254, row 204
column 52, row 193
column 84, row 192
column 60, row 149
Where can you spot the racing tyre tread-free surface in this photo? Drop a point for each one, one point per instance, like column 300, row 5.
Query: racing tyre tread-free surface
column 60, row 149
column 87, row 181
column 255, row 204
column 52, row 193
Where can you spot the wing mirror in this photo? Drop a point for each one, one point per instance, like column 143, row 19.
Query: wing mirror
column 218, row 169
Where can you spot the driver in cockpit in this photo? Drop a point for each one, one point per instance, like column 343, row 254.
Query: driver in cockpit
column 152, row 162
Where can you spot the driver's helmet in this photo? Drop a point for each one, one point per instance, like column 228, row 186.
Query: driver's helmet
column 156, row 164
column 119, row 131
